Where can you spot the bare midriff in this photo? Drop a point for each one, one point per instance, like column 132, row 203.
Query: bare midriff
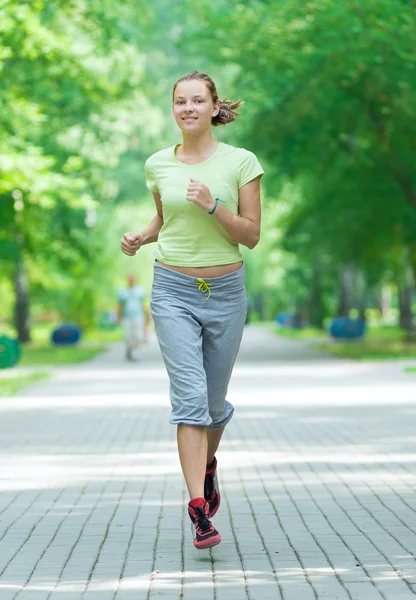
column 202, row 272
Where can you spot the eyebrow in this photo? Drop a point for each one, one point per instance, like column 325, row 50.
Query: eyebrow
column 183, row 97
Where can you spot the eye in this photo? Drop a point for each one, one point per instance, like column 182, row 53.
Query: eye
column 200, row 101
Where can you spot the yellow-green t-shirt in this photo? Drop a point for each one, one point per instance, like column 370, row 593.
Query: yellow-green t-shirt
column 190, row 237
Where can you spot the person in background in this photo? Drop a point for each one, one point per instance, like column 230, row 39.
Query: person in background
column 132, row 313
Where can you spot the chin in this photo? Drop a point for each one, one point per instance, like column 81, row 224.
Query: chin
column 190, row 129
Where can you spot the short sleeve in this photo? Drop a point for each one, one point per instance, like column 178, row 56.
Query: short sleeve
column 150, row 177
column 248, row 168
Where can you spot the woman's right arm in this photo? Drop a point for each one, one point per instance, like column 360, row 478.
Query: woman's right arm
column 132, row 241
column 151, row 233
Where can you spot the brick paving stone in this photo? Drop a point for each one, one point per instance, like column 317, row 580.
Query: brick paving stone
column 317, row 474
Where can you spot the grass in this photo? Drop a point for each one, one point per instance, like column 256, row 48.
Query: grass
column 41, row 352
column 410, row 370
column 105, row 336
column 370, row 350
column 36, row 353
column 381, row 342
column 308, row 333
column 11, row 385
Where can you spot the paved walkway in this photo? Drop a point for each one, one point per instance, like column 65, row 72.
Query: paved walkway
column 317, row 473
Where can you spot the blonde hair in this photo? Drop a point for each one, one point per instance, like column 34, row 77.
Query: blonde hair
column 227, row 112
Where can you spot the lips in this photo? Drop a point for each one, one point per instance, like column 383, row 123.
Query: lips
column 189, row 118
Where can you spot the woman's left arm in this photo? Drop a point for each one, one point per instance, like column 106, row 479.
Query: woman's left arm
column 245, row 227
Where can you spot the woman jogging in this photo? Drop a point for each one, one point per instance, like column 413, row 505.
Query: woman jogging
column 207, row 196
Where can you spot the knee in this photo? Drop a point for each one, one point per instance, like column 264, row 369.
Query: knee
column 221, row 418
column 191, row 411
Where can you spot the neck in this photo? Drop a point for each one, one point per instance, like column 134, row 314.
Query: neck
column 198, row 145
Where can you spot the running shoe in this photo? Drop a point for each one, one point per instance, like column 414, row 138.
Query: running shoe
column 211, row 489
column 205, row 534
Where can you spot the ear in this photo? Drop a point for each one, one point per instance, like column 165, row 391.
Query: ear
column 216, row 109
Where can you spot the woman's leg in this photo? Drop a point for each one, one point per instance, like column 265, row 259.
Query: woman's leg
column 222, row 335
column 197, row 447
column 180, row 339
column 214, row 437
column 174, row 305
column 221, row 342
column 192, row 446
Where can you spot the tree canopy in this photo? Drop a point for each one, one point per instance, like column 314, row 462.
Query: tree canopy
column 330, row 109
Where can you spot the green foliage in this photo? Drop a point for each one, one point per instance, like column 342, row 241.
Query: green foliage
column 12, row 385
column 331, row 104
column 330, row 109
column 71, row 100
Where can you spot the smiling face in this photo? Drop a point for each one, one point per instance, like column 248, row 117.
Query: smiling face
column 193, row 107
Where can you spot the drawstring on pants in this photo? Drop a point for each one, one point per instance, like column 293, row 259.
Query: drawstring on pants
column 203, row 287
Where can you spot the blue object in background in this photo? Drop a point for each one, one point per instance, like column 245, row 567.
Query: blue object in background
column 347, row 329
column 66, row 335
column 9, row 352
column 285, row 319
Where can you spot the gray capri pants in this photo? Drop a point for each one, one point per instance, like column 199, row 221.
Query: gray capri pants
column 199, row 325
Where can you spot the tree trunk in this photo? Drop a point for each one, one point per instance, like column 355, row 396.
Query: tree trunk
column 21, row 312
column 385, row 302
column 345, row 291
column 361, row 293
column 405, row 306
column 316, row 302
column 264, row 305
column 406, row 288
column 300, row 316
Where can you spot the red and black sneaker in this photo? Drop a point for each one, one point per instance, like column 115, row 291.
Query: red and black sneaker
column 211, row 490
column 205, row 534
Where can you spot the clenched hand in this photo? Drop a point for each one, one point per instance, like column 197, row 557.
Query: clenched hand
column 131, row 243
column 199, row 194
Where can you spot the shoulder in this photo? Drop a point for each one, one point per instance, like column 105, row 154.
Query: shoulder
column 160, row 157
column 246, row 164
column 238, row 154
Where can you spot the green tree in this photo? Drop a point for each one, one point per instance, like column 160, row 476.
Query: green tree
column 331, row 103
column 71, row 77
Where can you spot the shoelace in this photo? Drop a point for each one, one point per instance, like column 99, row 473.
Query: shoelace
column 203, row 523
column 203, row 286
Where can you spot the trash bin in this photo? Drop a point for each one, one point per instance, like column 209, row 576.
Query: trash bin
column 66, row 334
column 344, row 328
column 9, row 352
